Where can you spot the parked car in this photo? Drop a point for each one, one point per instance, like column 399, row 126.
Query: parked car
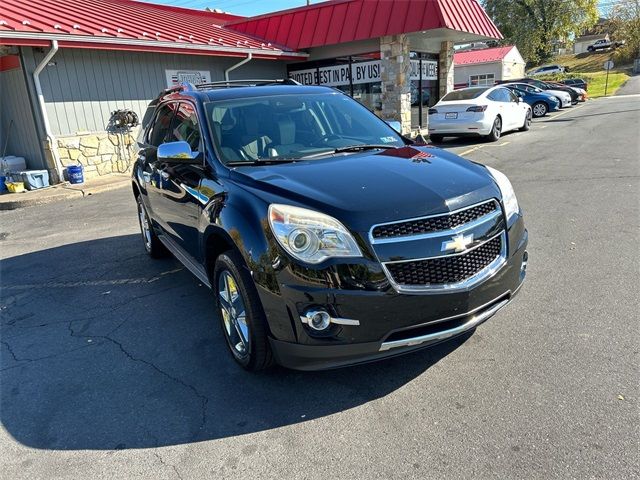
column 478, row 111
column 582, row 94
column 562, row 97
column 547, row 70
column 576, row 82
column 604, row 44
column 546, row 86
column 328, row 238
column 541, row 102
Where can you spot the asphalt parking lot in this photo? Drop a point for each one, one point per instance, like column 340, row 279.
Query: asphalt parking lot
column 113, row 365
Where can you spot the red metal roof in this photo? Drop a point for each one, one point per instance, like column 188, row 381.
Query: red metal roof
column 339, row 21
column 481, row 56
column 127, row 25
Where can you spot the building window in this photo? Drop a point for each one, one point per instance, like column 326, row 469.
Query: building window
column 484, row 79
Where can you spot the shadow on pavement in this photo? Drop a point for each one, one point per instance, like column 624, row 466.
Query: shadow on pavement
column 104, row 348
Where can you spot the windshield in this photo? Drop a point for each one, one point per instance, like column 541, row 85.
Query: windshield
column 291, row 127
column 465, row 94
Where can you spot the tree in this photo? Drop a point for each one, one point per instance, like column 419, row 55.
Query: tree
column 535, row 26
column 625, row 21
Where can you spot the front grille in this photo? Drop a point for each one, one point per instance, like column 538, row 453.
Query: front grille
column 433, row 224
column 446, row 270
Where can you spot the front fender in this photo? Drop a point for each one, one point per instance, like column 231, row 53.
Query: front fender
column 242, row 226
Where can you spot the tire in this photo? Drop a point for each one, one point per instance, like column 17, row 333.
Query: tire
column 539, row 109
column 436, row 138
column 243, row 322
column 152, row 244
column 496, row 130
column 527, row 122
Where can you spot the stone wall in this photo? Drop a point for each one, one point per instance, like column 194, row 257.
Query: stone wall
column 395, row 74
column 99, row 153
column 445, row 68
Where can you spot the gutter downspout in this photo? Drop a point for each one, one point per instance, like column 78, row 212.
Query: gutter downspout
column 51, row 139
column 237, row 65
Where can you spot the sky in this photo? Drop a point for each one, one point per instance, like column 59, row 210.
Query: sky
column 239, row 7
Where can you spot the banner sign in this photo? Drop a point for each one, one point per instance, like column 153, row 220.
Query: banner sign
column 175, row 77
column 363, row 72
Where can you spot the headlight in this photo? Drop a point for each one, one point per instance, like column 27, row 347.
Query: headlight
column 310, row 236
column 508, row 195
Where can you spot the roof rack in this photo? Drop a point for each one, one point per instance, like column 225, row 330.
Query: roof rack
column 244, row 83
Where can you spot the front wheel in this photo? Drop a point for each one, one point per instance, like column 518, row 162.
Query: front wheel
column 496, row 130
column 527, row 122
column 243, row 321
column 539, row 109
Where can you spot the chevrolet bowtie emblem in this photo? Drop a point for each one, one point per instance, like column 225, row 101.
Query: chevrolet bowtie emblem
column 459, row 243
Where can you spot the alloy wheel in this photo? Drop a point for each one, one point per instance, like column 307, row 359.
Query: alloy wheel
column 497, row 127
column 234, row 315
column 145, row 227
column 539, row 110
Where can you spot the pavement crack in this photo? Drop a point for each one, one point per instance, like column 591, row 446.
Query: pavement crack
column 13, row 354
column 170, row 465
column 204, row 400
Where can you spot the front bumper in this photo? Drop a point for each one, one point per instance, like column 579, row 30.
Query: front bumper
column 391, row 323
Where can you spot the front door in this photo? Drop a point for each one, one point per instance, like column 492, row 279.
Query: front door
column 174, row 196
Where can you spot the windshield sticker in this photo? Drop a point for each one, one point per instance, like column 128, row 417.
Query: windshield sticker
column 387, row 139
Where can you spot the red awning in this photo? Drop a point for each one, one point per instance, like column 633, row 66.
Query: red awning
column 340, row 21
column 128, row 25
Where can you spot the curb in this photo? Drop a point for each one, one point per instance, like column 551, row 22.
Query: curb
column 61, row 193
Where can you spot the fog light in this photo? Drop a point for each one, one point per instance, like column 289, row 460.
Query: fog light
column 525, row 259
column 318, row 319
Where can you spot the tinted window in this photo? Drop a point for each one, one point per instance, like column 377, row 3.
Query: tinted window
column 185, row 127
column 500, row 95
column 162, row 125
column 464, row 94
column 512, row 96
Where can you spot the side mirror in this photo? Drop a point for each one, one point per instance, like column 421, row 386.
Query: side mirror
column 179, row 152
column 396, row 125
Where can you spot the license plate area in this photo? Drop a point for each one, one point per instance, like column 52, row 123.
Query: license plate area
column 451, row 115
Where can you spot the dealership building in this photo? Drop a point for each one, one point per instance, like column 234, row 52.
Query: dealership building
column 65, row 66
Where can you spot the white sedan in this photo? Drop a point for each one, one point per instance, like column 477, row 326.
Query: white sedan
column 478, row 111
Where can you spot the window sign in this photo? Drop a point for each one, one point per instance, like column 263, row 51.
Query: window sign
column 429, row 70
column 363, row 72
column 175, row 77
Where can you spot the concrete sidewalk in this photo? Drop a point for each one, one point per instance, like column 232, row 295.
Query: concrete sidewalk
column 63, row 191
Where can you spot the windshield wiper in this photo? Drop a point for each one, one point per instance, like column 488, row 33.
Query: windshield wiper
column 357, row 148
column 260, row 161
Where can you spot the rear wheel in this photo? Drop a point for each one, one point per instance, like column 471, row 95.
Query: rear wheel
column 152, row 243
column 527, row 122
column 436, row 138
column 539, row 109
column 496, row 130
column 241, row 315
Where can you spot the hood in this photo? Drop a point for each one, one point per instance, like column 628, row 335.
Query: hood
column 374, row 187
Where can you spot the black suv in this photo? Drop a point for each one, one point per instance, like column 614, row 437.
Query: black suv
column 328, row 238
